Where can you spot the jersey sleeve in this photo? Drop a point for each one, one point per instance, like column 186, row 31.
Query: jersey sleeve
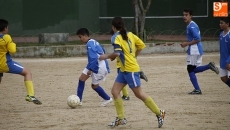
column 195, row 33
column 138, row 42
column 11, row 46
column 115, row 41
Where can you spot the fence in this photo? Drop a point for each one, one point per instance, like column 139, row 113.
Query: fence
column 151, row 35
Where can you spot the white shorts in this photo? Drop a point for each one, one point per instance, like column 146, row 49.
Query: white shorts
column 224, row 72
column 97, row 78
column 195, row 60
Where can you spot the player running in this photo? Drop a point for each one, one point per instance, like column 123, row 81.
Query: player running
column 95, row 68
column 127, row 47
column 194, row 52
column 7, row 65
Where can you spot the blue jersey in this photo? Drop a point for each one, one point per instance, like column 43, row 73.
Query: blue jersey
column 224, row 49
column 94, row 50
column 193, row 33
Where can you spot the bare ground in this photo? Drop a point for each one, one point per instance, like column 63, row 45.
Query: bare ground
column 56, row 79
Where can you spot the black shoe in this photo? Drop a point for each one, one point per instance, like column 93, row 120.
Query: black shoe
column 125, row 97
column 143, row 76
column 195, row 92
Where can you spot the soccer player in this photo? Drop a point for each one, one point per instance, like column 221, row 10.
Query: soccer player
column 95, row 68
column 225, row 50
column 194, row 52
column 7, row 65
column 127, row 46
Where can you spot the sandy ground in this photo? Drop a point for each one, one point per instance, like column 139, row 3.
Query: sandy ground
column 56, row 79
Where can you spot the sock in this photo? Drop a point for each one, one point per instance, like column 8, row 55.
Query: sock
column 30, row 88
column 201, row 69
column 119, row 108
column 80, row 89
column 125, row 91
column 102, row 93
column 194, row 81
column 228, row 82
column 152, row 106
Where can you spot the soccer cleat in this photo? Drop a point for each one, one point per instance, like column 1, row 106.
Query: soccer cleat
column 80, row 104
column 106, row 102
column 125, row 97
column 118, row 122
column 143, row 76
column 160, row 118
column 213, row 67
column 33, row 99
column 195, row 92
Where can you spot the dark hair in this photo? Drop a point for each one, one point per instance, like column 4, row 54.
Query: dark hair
column 83, row 31
column 119, row 24
column 225, row 19
column 187, row 10
column 3, row 24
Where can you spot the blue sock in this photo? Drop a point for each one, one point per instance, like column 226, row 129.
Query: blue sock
column 102, row 93
column 228, row 82
column 80, row 89
column 194, row 80
column 201, row 68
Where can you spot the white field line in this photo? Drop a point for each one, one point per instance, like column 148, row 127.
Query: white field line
column 74, row 59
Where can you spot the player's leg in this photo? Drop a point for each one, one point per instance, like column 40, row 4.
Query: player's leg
column 133, row 81
column 192, row 62
column 200, row 68
column 81, row 84
column 96, row 79
column 224, row 76
column 119, row 84
column 16, row 68
column 125, row 93
column 1, row 75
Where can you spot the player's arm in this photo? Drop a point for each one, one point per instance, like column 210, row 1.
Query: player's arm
column 92, row 56
column 139, row 44
column 116, row 53
column 228, row 60
column 196, row 37
column 11, row 46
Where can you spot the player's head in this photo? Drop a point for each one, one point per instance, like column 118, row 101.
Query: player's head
column 119, row 25
column 83, row 34
column 3, row 26
column 224, row 23
column 187, row 15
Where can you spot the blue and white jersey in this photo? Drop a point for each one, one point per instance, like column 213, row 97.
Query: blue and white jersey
column 224, row 49
column 94, row 50
column 193, row 33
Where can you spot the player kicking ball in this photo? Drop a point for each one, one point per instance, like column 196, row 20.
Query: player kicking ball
column 194, row 52
column 95, row 68
column 7, row 65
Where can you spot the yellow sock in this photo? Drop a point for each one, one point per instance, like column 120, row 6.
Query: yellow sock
column 125, row 91
column 119, row 108
column 30, row 88
column 152, row 106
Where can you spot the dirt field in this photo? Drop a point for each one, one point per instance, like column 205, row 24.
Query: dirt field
column 56, row 79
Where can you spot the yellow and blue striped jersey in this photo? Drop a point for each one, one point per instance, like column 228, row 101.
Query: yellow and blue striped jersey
column 127, row 49
column 7, row 47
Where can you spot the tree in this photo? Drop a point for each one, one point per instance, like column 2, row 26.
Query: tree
column 140, row 13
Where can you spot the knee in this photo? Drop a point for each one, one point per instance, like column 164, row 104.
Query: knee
column 94, row 86
column 224, row 79
column 26, row 72
column 190, row 68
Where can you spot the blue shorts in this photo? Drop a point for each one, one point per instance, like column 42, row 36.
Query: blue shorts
column 130, row 78
column 14, row 67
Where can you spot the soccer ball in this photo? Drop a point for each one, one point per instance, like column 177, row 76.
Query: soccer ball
column 73, row 101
